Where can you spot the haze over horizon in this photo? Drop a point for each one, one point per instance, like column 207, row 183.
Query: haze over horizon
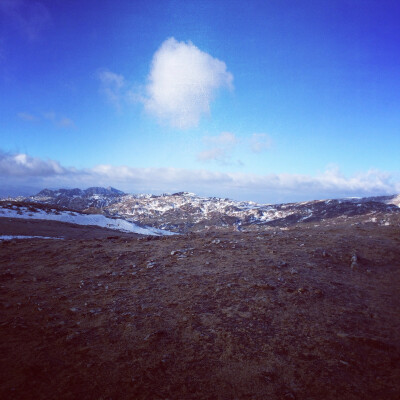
column 266, row 101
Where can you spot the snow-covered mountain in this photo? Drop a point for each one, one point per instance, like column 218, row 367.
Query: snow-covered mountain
column 93, row 197
column 186, row 212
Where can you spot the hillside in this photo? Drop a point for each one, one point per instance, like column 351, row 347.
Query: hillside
column 185, row 212
column 306, row 312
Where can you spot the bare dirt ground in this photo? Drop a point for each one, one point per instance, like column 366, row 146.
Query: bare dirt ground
column 274, row 315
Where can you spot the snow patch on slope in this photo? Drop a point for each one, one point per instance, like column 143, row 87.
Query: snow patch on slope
column 82, row 219
column 10, row 237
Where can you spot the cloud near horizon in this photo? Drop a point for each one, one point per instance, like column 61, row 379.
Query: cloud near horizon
column 182, row 82
column 23, row 165
column 23, row 170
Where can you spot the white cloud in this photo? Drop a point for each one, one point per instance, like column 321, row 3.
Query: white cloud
column 260, row 142
column 23, row 165
column 219, row 148
column 24, row 170
column 112, row 87
column 182, row 83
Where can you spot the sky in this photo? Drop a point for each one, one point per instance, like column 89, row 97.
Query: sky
column 271, row 101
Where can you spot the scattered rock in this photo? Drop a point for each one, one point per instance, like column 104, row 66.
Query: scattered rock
column 265, row 286
column 302, row 290
column 318, row 292
column 354, row 262
column 283, row 264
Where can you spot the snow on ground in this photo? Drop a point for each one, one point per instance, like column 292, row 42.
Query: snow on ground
column 10, row 237
column 83, row 219
column 395, row 201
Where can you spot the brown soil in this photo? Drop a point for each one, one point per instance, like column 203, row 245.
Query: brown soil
column 275, row 315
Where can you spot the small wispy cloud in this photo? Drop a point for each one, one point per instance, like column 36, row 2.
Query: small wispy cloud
column 27, row 117
column 224, row 139
column 30, row 18
column 59, row 122
column 182, row 83
column 2, row 50
column 66, row 123
column 260, row 142
column 112, row 86
column 50, row 115
column 218, row 148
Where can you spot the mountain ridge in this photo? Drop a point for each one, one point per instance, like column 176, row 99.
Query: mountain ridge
column 184, row 212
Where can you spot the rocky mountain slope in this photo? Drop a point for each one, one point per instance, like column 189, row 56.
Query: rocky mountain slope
column 78, row 199
column 186, row 212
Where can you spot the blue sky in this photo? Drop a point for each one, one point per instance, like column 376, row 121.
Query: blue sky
column 261, row 100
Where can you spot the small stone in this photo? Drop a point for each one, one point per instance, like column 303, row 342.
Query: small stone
column 318, row 292
column 283, row 264
column 354, row 262
column 289, row 396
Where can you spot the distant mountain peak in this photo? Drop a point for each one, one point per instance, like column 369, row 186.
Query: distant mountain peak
column 184, row 194
column 102, row 190
column 45, row 192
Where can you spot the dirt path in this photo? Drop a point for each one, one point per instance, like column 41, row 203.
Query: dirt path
column 279, row 315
